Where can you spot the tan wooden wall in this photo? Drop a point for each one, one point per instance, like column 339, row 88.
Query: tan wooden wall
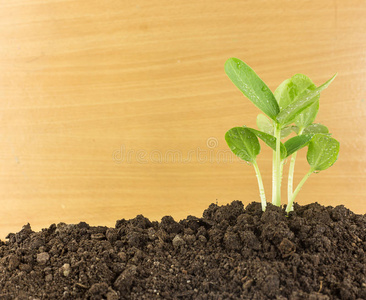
column 115, row 108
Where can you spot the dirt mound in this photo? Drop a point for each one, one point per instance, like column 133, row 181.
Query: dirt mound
column 314, row 253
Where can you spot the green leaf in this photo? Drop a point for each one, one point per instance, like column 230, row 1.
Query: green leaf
column 267, row 125
column 296, row 143
column 305, row 100
column 308, row 115
column 312, row 129
column 323, row 152
column 295, row 129
column 270, row 140
column 285, row 131
column 243, row 143
column 316, row 128
column 289, row 90
column 252, row 86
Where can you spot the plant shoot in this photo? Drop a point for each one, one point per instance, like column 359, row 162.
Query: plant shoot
column 292, row 108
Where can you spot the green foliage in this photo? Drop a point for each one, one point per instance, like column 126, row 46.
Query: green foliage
column 297, row 142
column 292, row 108
column 292, row 111
column 316, row 128
column 323, row 152
column 243, row 143
column 249, row 83
column 270, row 140
column 265, row 124
column 290, row 90
column 268, row 126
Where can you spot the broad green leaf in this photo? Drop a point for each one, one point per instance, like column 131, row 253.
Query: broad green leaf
column 289, row 90
column 306, row 99
column 297, row 142
column 243, row 143
column 252, row 86
column 270, row 140
column 267, row 125
column 316, row 128
column 323, row 152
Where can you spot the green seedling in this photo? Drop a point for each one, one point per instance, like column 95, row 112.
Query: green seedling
column 292, row 108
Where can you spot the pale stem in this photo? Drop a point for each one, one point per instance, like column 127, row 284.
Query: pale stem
column 260, row 184
column 274, row 177
column 290, row 183
column 277, row 198
column 297, row 190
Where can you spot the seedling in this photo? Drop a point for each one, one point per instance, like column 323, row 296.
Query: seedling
column 291, row 108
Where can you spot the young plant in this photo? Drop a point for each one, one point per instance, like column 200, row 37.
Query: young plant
column 291, row 108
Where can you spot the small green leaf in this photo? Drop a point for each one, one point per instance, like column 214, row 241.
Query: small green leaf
column 252, row 86
column 323, row 152
column 297, row 142
column 267, row 125
column 308, row 115
column 316, row 128
column 305, row 100
column 312, row 129
column 270, row 140
column 288, row 92
column 264, row 124
column 243, row 143
column 285, row 131
column 291, row 88
column 295, row 129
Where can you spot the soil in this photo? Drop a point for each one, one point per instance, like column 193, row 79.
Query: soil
column 315, row 253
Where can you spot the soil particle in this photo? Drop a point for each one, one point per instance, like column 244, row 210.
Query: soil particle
column 178, row 241
column 315, row 252
column 43, row 257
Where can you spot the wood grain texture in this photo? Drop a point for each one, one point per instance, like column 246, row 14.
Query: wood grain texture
column 111, row 109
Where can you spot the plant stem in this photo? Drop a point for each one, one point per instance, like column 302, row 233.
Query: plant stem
column 290, row 183
column 297, row 190
column 277, row 176
column 274, row 177
column 260, row 184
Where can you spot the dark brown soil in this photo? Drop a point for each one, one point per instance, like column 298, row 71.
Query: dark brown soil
column 315, row 253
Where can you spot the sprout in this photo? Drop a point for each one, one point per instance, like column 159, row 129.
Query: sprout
column 295, row 101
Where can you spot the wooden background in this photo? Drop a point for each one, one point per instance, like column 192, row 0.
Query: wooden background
column 115, row 108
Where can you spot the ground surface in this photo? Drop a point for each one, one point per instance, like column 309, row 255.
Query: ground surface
column 231, row 253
